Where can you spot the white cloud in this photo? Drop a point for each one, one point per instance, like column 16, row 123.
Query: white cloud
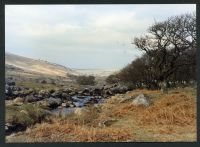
column 81, row 30
column 112, row 20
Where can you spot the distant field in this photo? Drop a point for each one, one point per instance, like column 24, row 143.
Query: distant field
column 96, row 72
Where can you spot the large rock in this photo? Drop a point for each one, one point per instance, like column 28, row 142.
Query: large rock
column 119, row 89
column 65, row 96
column 54, row 102
column 141, row 100
column 85, row 92
column 97, row 92
column 44, row 94
column 123, row 89
column 40, row 97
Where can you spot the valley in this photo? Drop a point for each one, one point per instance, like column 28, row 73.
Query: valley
column 44, row 106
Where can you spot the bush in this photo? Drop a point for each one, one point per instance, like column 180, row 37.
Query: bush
column 86, row 80
column 26, row 115
column 112, row 79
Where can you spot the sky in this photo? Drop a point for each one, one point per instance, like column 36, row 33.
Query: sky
column 83, row 36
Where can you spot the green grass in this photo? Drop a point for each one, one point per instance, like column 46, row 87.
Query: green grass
column 37, row 86
column 27, row 114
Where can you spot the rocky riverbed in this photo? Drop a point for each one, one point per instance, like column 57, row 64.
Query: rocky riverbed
column 60, row 101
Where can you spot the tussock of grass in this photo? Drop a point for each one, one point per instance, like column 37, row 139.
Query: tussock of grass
column 88, row 117
column 26, row 114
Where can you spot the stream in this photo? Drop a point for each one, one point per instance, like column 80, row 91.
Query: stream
column 80, row 102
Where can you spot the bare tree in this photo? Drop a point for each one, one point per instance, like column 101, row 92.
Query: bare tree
column 170, row 45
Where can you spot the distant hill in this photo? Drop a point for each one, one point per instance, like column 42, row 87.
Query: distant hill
column 32, row 67
column 35, row 66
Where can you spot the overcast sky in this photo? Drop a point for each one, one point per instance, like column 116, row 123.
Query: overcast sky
column 82, row 36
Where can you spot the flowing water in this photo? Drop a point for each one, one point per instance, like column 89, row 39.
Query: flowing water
column 79, row 102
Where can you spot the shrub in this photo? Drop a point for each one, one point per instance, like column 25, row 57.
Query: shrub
column 27, row 114
column 86, row 80
column 111, row 79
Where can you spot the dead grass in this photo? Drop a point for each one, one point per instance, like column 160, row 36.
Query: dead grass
column 172, row 109
column 172, row 117
column 88, row 117
column 67, row 132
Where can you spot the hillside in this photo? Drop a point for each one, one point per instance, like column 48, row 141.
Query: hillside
column 27, row 66
column 36, row 66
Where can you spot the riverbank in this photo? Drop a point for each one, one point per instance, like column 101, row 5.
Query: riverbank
column 170, row 117
column 28, row 103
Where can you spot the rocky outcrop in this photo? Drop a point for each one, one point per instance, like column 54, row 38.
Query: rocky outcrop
column 55, row 97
